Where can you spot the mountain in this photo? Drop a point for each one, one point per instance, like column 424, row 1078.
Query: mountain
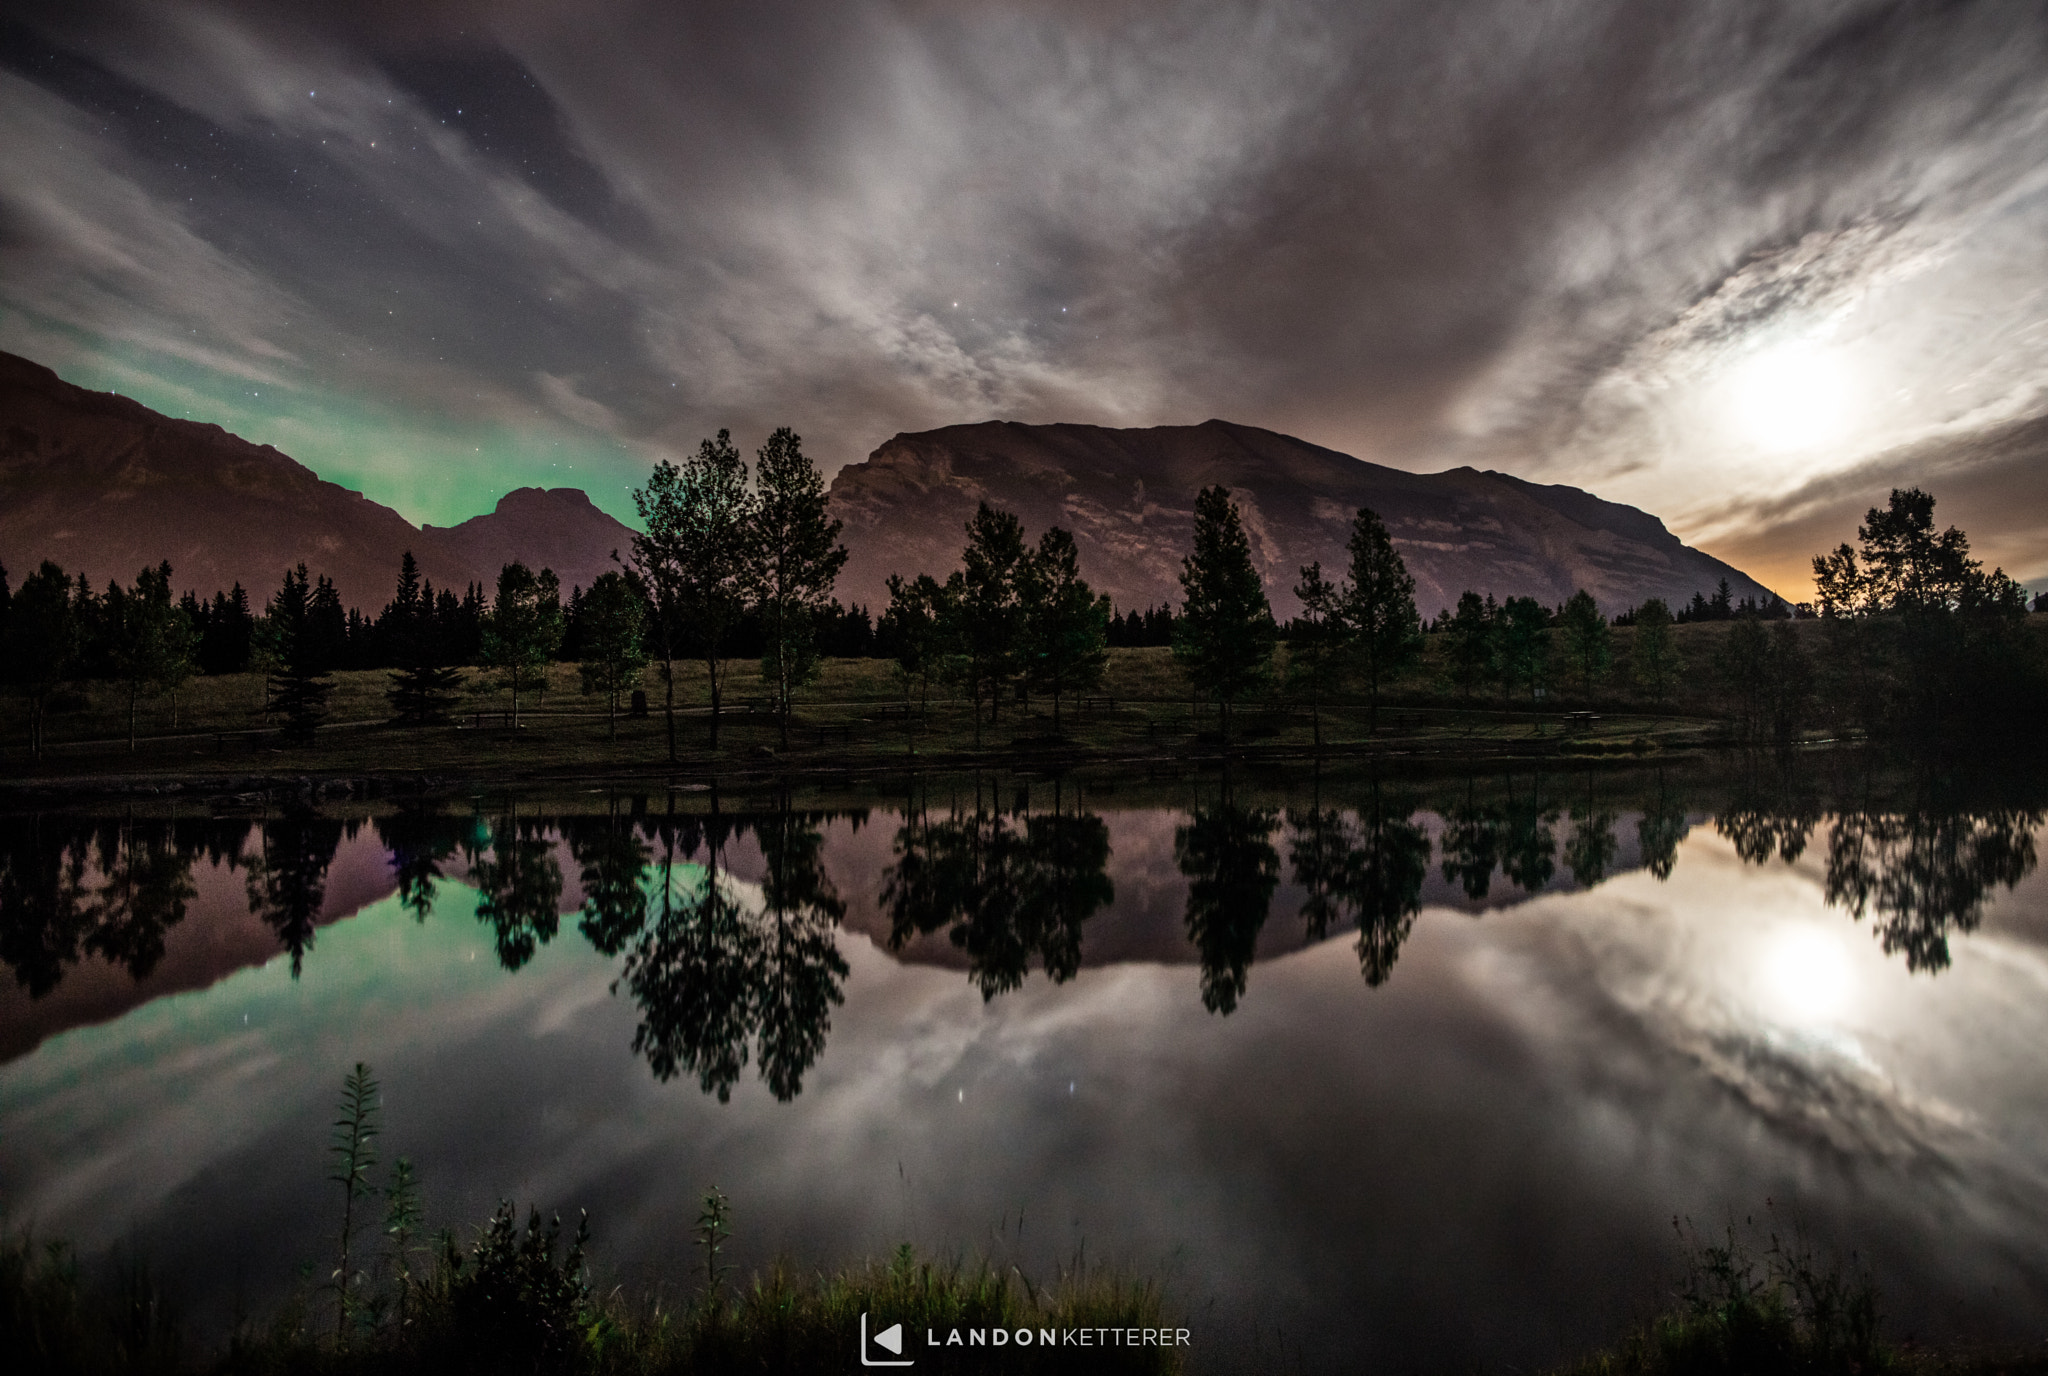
column 1129, row 496
column 103, row 485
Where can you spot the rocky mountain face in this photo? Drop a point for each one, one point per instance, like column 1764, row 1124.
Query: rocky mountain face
column 105, row 486
column 1129, row 496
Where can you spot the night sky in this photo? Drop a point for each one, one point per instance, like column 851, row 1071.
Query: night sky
column 1746, row 265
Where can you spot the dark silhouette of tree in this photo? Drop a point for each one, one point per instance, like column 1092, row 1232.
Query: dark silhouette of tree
column 987, row 601
column 613, row 860
column 1587, row 641
column 424, row 688
column 1523, row 641
column 1920, row 637
column 796, row 557
column 1227, row 854
column 419, row 840
column 801, row 970
column 1383, row 631
column 1315, row 641
column 1653, row 653
column 613, row 619
column 152, row 640
column 1224, row 636
column 40, row 646
column 918, row 628
column 287, row 879
column 1471, row 845
column 1923, row 874
column 694, row 561
column 46, row 906
column 1590, row 852
column 1528, row 848
column 298, row 683
column 1066, row 626
column 146, row 886
column 693, row 972
column 523, row 628
column 227, row 632
column 1004, row 889
column 519, row 888
column 1470, row 648
column 1659, row 830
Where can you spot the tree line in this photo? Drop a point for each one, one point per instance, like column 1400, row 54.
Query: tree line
column 738, row 566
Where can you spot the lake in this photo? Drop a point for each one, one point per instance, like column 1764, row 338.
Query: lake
column 1407, row 1071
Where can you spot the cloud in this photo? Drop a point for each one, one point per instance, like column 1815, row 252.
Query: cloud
column 1533, row 237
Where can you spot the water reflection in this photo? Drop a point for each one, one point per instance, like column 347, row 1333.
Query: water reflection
column 1006, row 888
column 727, row 925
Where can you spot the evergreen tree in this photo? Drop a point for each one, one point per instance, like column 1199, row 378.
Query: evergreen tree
column 152, row 641
column 1066, row 626
column 1315, row 639
column 227, row 633
column 614, row 617
column 39, row 648
column 1225, row 634
column 423, row 688
column 1524, row 641
column 298, row 683
column 1653, row 655
column 796, row 558
column 694, row 562
column 1470, row 650
column 523, row 627
column 1385, row 630
column 1588, row 643
column 989, row 608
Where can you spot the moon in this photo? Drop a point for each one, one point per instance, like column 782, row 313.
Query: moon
column 1790, row 398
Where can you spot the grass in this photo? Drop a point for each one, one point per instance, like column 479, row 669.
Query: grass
column 854, row 717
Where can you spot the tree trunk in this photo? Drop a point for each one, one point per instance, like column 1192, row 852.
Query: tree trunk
column 131, row 718
column 614, row 733
column 717, row 698
column 515, row 697
column 668, row 674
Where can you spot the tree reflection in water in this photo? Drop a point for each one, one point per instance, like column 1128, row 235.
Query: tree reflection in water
column 1923, row 875
column 1365, row 867
column 288, row 877
column 1004, row 888
column 419, row 840
column 1528, row 848
column 519, row 887
column 715, row 974
column 1226, row 852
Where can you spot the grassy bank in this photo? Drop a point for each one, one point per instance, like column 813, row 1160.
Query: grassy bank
column 856, row 716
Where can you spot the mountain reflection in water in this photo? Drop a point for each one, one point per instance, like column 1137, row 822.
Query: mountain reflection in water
column 726, row 970
column 1442, row 1053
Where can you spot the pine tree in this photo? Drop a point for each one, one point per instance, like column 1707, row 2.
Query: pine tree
column 1588, row 644
column 39, row 648
column 298, row 682
column 1652, row 654
column 1224, row 636
column 424, row 688
column 1385, row 630
column 1316, row 638
column 1470, row 647
column 989, row 608
column 1066, row 626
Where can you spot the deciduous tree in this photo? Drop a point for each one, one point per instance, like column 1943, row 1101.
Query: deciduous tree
column 523, row 627
column 796, row 557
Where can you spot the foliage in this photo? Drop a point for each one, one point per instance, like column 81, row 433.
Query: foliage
column 987, row 600
column 39, row 647
column 795, row 557
column 292, row 633
column 918, row 624
column 1225, row 634
column 354, row 1148
column 1383, row 630
column 1315, row 639
column 1769, row 678
column 423, row 690
column 1227, row 854
column 1470, row 637
column 523, row 628
column 1653, row 657
column 1066, row 626
column 1587, row 643
column 1523, row 640
column 694, row 562
column 613, row 621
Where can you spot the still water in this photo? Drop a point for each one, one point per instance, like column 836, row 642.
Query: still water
column 1414, row 1073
